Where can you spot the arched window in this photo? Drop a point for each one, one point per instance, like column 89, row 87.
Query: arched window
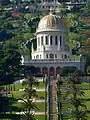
column 51, row 42
column 47, row 56
column 46, row 40
column 60, row 40
column 65, row 56
column 51, row 71
column 44, row 71
column 42, row 40
column 37, row 56
column 56, row 40
column 55, row 55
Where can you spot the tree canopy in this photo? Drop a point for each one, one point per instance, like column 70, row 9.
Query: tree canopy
column 10, row 62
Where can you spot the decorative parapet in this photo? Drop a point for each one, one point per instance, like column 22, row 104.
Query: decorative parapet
column 50, row 60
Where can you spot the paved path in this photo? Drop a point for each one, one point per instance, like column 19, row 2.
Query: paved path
column 38, row 90
column 35, row 113
column 41, row 113
column 34, row 100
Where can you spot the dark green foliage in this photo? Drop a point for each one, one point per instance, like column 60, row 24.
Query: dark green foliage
column 10, row 63
column 31, row 70
column 5, row 36
column 71, row 104
column 4, row 104
column 59, row 95
column 66, row 70
column 27, row 98
column 79, row 109
column 10, row 116
column 5, row 101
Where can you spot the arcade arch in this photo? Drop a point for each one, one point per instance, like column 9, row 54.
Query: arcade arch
column 51, row 71
column 44, row 71
column 38, row 70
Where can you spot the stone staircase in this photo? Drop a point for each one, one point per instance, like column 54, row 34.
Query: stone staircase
column 52, row 98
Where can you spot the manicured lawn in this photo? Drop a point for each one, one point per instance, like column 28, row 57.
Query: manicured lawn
column 16, row 107
column 41, row 85
column 87, row 94
column 18, row 86
column 40, row 117
column 14, row 87
column 41, row 94
column 17, row 94
column 88, row 115
column 88, row 105
column 40, row 106
column 86, row 85
column 87, row 99
column 75, row 56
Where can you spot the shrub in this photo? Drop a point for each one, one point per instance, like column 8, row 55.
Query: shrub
column 66, row 70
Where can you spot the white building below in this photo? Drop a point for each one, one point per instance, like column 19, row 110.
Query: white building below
column 52, row 51
column 45, row 5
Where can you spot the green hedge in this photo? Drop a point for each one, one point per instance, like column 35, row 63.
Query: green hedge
column 66, row 70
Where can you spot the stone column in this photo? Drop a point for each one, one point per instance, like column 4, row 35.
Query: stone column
column 32, row 47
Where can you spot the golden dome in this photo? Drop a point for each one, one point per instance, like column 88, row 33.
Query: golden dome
column 51, row 22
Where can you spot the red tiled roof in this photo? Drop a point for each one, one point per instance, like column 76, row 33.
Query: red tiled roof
column 16, row 14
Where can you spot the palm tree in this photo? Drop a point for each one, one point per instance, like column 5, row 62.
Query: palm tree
column 29, row 94
column 59, row 93
column 76, row 100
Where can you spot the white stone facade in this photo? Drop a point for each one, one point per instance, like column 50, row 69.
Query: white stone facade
column 45, row 5
column 51, row 35
column 51, row 45
column 52, row 51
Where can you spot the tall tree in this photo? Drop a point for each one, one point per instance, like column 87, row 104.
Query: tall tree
column 59, row 95
column 85, row 49
column 10, row 62
column 29, row 94
column 76, row 97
